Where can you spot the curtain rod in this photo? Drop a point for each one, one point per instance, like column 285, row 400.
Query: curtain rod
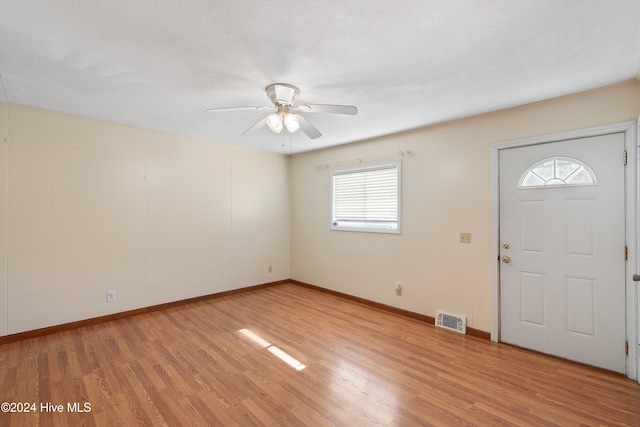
column 361, row 159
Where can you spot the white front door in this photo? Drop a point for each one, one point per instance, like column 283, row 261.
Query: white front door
column 562, row 235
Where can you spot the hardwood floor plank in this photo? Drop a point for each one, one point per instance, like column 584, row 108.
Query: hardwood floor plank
column 309, row 417
column 196, row 364
column 139, row 396
column 270, row 389
column 165, row 403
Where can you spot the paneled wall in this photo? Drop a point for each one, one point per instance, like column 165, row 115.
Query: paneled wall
column 445, row 191
column 89, row 206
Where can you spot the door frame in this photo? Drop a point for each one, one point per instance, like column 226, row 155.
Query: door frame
column 632, row 232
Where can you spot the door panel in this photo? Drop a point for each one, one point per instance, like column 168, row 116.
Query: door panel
column 581, row 227
column 563, row 290
column 532, row 220
column 533, row 299
column 581, row 307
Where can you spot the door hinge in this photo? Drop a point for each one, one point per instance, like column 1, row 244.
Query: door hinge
column 626, row 253
column 624, row 158
column 626, row 348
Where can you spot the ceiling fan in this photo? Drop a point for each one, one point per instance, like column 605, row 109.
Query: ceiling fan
column 283, row 95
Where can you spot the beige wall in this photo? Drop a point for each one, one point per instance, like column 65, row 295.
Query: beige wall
column 445, row 190
column 89, row 206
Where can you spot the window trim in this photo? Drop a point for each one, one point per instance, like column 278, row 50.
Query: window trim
column 397, row 164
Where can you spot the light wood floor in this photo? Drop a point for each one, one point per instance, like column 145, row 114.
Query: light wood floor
column 214, row 363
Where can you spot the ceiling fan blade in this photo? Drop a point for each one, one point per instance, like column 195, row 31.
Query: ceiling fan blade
column 327, row 108
column 309, row 129
column 253, row 129
column 218, row 110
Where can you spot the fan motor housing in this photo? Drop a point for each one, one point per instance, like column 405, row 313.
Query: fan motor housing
column 282, row 93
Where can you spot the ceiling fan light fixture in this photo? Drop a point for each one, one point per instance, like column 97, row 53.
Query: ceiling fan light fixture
column 274, row 122
column 283, row 97
column 292, row 122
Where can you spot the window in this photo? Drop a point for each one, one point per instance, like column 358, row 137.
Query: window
column 558, row 171
column 366, row 198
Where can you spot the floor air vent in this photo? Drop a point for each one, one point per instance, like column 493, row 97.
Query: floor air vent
column 453, row 322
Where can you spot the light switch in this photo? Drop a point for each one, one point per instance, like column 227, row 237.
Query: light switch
column 465, row 237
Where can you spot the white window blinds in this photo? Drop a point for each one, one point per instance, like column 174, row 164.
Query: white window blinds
column 366, row 199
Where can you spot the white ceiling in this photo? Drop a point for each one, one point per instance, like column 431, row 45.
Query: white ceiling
column 404, row 64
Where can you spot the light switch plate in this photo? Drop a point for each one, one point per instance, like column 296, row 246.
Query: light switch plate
column 465, row 237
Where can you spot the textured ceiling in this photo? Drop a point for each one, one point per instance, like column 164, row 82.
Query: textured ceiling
column 405, row 64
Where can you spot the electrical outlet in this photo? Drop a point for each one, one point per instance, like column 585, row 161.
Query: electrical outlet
column 398, row 289
column 465, row 237
column 111, row 296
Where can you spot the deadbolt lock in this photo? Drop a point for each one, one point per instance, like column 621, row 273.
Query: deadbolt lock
column 506, row 245
column 506, row 259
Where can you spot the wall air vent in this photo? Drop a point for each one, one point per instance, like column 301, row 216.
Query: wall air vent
column 453, row 322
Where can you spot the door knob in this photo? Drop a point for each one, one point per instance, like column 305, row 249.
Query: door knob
column 636, row 277
column 506, row 259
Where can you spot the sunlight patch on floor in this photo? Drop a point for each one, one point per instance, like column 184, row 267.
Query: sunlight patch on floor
column 280, row 354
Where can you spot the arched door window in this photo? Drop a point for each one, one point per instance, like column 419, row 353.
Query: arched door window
column 557, row 171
